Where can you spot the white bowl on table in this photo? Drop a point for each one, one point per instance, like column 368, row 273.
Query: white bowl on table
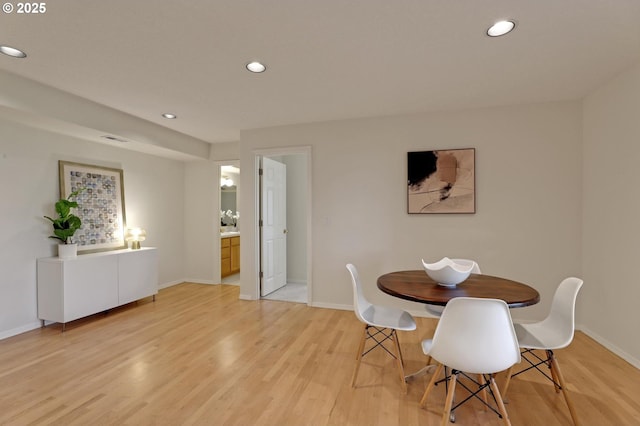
column 446, row 272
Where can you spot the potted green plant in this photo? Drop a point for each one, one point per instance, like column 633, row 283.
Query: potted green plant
column 66, row 225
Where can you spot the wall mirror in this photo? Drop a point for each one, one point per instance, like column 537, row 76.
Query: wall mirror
column 229, row 177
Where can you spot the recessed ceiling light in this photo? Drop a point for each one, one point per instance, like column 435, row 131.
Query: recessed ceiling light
column 501, row 28
column 12, row 51
column 256, row 67
column 169, row 116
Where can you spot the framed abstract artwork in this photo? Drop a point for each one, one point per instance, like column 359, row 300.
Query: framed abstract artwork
column 441, row 181
column 100, row 205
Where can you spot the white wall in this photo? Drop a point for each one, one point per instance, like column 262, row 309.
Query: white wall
column 296, row 218
column 609, row 300
column 229, row 151
column 202, row 207
column 29, row 188
column 528, row 221
column 201, row 222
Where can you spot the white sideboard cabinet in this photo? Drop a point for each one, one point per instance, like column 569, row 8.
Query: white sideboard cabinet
column 69, row 289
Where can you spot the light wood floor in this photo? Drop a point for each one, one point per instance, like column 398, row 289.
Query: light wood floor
column 200, row 356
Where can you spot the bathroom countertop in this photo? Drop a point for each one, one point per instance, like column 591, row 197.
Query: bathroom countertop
column 230, row 234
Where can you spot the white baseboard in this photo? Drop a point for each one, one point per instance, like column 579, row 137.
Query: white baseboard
column 613, row 348
column 331, row 306
column 245, row 297
column 19, row 330
column 170, row 284
column 415, row 313
column 197, row 281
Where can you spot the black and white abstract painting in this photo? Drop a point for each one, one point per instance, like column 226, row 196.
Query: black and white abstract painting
column 441, row 181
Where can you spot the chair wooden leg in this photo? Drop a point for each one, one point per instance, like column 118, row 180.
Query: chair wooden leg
column 399, row 361
column 556, row 368
column 362, row 342
column 554, row 375
column 359, row 356
column 501, row 407
column 395, row 334
column 483, row 393
column 432, row 382
column 449, row 401
column 506, row 384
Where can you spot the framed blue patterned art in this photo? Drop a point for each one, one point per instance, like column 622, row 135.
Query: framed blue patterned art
column 100, row 205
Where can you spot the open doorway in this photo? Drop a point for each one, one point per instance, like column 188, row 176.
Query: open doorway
column 284, row 271
column 229, row 217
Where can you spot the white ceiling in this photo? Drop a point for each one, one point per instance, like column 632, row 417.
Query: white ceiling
column 326, row 59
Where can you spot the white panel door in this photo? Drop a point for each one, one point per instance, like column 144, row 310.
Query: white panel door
column 273, row 259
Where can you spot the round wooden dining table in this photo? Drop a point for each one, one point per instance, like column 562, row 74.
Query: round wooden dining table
column 417, row 286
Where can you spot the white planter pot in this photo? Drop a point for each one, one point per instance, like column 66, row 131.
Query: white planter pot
column 67, row 251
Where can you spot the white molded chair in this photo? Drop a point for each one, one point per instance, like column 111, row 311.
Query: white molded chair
column 380, row 324
column 554, row 332
column 475, row 336
column 436, row 310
